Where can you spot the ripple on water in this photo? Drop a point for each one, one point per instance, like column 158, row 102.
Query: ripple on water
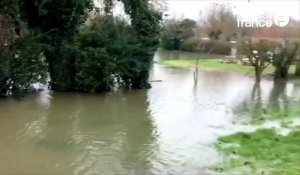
column 168, row 129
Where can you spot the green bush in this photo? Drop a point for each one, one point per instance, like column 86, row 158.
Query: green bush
column 97, row 53
column 94, row 70
column 78, row 54
column 109, row 53
column 215, row 47
column 195, row 44
column 175, row 32
column 192, row 44
column 20, row 69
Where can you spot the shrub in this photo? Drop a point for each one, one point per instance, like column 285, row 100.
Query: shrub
column 109, row 53
column 175, row 32
column 192, row 44
column 216, row 47
column 25, row 66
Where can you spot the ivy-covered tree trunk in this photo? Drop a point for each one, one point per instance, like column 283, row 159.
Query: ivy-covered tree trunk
column 145, row 20
column 284, row 60
column 8, row 41
column 258, row 55
column 61, row 67
column 58, row 21
column 140, row 81
column 281, row 72
column 297, row 72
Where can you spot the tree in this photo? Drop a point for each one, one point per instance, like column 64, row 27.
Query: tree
column 21, row 59
column 219, row 23
column 102, row 51
column 176, row 32
column 145, row 21
column 58, row 21
column 259, row 55
column 284, row 58
column 297, row 63
column 103, row 54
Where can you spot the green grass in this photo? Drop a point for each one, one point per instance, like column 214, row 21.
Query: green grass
column 296, row 82
column 261, row 152
column 263, row 114
column 216, row 65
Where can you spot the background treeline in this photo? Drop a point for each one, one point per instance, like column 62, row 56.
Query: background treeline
column 75, row 46
column 215, row 29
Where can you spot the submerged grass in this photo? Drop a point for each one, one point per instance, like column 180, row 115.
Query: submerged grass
column 286, row 114
column 264, row 151
column 217, row 65
column 261, row 152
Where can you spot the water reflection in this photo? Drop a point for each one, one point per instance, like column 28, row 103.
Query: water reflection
column 256, row 99
column 82, row 134
column 275, row 102
column 278, row 96
column 168, row 129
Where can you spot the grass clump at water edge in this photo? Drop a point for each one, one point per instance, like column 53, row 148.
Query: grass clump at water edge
column 261, row 152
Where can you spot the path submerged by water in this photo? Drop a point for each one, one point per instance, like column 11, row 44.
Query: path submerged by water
column 171, row 128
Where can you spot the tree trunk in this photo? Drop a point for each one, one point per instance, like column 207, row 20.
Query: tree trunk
column 297, row 73
column 61, row 69
column 256, row 99
column 276, row 93
column 141, row 81
column 281, row 72
column 258, row 73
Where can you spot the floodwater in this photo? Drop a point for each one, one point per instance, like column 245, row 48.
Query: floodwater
column 168, row 129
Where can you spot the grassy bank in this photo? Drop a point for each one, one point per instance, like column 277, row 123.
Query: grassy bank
column 261, row 152
column 264, row 151
column 217, row 65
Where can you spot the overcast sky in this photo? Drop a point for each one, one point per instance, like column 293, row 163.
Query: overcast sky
column 244, row 8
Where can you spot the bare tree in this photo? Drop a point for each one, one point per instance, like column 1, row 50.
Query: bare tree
column 283, row 60
column 219, row 22
column 259, row 54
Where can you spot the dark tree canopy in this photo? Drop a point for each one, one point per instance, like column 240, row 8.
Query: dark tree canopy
column 79, row 52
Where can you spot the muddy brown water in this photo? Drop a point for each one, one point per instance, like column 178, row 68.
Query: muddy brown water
column 168, row 129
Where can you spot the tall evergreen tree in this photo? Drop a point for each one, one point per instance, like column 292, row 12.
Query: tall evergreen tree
column 58, row 21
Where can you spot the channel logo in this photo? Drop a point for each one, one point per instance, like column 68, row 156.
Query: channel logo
column 265, row 20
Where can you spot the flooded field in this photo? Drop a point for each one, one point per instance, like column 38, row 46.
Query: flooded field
column 169, row 129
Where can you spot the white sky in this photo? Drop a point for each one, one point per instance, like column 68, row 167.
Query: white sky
column 244, row 8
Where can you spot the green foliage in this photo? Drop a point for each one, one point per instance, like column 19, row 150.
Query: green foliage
column 287, row 54
column 21, row 59
column 216, row 47
column 181, row 35
column 58, row 21
column 27, row 65
column 98, row 53
column 107, row 52
column 297, row 63
column 175, row 33
column 192, row 44
column 94, row 70
column 259, row 54
column 145, row 21
column 59, row 18
column 111, row 54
